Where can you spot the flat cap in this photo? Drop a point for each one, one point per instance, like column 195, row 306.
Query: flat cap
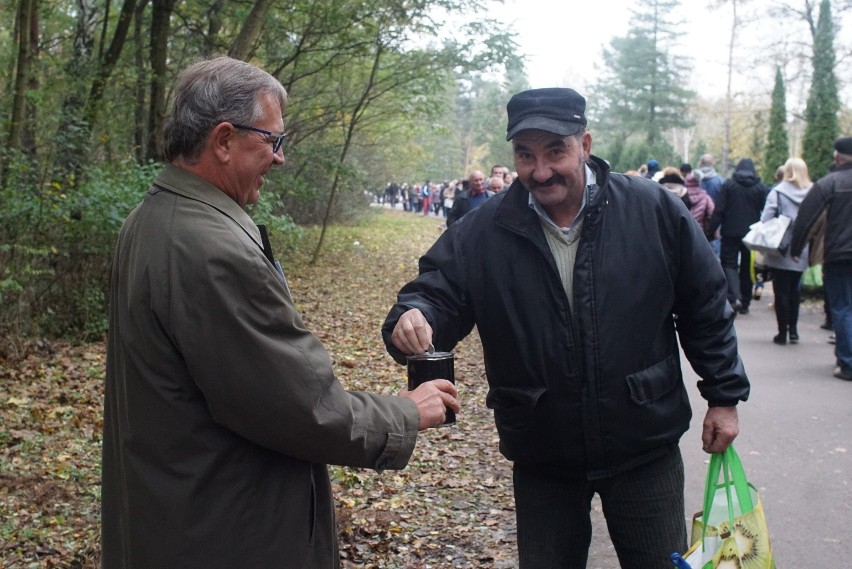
column 843, row 145
column 554, row 109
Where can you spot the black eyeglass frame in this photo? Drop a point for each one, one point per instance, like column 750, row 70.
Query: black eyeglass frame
column 276, row 144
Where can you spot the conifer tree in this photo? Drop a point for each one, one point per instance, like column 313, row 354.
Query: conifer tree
column 777, row 144
column 641, row 93
column 823, row 100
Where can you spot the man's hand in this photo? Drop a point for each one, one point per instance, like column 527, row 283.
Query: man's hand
column 432, row 399
column 721, row 426
column 412, row 333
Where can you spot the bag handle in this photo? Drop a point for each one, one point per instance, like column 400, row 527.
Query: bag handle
column 735, row 466
column 778, row 201
column 727, row 463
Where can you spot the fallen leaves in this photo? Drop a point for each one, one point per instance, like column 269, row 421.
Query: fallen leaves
column 450, row 508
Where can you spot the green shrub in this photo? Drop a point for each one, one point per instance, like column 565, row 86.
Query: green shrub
column 56, row 242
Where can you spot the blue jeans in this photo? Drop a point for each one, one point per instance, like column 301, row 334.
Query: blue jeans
column 838, row 291
column 644, row 510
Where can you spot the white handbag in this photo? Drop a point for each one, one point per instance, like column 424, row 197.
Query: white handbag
column 765, row 236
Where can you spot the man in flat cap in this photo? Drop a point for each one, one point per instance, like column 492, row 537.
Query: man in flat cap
column 574, row 277
column 831, row 195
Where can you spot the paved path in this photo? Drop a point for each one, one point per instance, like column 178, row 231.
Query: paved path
column 795, row 442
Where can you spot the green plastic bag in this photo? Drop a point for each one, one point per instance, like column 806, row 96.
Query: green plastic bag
column 812, row 277
column 731, row 529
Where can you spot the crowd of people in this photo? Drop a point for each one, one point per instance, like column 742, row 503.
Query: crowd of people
column 726, row 209
column 438, row 199
column 222, row 409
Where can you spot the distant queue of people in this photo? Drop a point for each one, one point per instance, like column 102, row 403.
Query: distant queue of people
column 439, row 199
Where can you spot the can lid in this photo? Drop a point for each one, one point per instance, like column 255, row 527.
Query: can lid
column 431, row 356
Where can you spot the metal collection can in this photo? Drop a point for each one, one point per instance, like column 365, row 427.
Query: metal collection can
column 429, row 366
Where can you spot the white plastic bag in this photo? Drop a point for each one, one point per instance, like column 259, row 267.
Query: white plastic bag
column 765, row 236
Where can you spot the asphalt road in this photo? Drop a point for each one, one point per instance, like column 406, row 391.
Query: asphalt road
column 795, row 443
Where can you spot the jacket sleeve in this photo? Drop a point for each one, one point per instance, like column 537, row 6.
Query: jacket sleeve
column 262, row 373
column 457, row 211
column 711, row 206
column 705, row 320
column 719, row 212
column 812, row 207
column 439, row 292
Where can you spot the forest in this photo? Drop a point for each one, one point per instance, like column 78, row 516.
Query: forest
column 380, row 91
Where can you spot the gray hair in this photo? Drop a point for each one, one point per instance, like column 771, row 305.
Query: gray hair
column 706, row 160
column 210, row 92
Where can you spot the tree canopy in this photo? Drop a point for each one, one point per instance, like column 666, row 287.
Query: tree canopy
column 380, row 91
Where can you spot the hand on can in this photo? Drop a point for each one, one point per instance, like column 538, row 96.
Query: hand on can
column 412, row 333
column 433, row 398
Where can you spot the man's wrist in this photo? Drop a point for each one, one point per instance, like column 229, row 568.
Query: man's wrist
column 722, row 403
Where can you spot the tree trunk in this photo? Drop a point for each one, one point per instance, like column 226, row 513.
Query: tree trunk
column 354, row 117
column 26, row 12
column 243, row 44
column 28, row 132
column 139, row 115
column 214, row 24
column 107, row 64
column 160, row 29
column 726, row 149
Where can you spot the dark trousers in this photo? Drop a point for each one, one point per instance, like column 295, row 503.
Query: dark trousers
column 838, row 288
column 736, row 261
column 644, row 510
column 787, row 298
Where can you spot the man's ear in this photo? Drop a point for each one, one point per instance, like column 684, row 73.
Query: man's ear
column 587, row 145
column 222, row 141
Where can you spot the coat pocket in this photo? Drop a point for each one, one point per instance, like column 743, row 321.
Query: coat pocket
column 514, row 406
column 652, row 383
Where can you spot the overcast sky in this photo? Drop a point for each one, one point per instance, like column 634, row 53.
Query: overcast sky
column 562, row 40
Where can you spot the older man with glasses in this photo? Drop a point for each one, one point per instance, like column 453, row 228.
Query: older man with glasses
column 221, row 409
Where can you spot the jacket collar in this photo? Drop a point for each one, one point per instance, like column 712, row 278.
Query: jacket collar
column 514, row 212
column 184, row 183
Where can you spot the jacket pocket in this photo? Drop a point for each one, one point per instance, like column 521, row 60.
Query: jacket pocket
column 652, row 383
column 513, row 406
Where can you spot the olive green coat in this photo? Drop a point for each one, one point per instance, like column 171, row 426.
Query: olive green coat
column 221, row 408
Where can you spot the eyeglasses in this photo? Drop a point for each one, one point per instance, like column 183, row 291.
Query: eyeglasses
column 279, row 137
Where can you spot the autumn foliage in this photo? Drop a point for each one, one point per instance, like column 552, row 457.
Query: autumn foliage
column 451, row 508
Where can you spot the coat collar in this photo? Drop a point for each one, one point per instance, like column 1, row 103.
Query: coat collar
column 515, row 213
column 185, row 183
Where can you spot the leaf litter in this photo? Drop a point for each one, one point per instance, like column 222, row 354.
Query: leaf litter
column 451, row 508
